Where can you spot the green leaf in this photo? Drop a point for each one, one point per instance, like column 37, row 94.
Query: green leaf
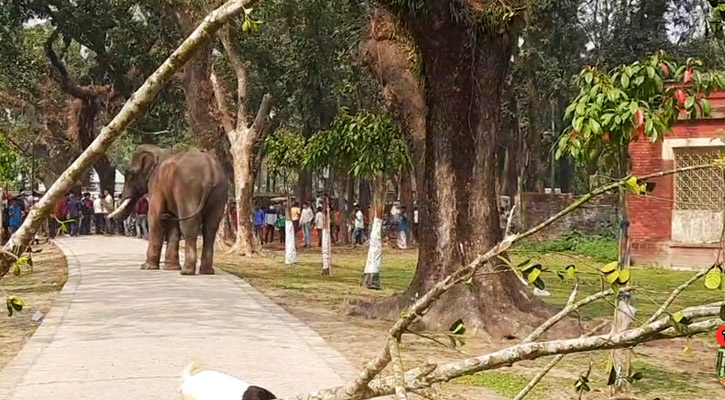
column 706, row 109
column 687, row 351
column 571, row 271
column 16, row 269
column 16, row 303
column 607, row 118
column 690, row 102
column 534, row 275
column 632, row 184
column 625, row 81
column 581, row 108
column 713, row 279
column 612, row 277
column 650, row 72
column 648, row 127
column 539, row 283
column 633, row 106
column 588, row 78
column 610, row 267
column 678, row 316
column 246, row 25
column 458, row 328
column 596, row 128
column 624, row 276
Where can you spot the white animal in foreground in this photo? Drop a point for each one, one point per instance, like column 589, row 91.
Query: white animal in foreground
column 203, row 384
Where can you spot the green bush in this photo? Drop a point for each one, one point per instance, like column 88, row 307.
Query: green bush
column 599, row 247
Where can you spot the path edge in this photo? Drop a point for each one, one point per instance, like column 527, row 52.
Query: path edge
column 17, row 369
column 331, row 356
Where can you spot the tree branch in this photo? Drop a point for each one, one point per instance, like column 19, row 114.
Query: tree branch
column 676, row 293
column 398, row 370
column 61, row 73
column 135, row 106
column 260, row 121
column 535, row 381
column 570, row 307
column 241, row 70
column 417, row 379
column 222, row 104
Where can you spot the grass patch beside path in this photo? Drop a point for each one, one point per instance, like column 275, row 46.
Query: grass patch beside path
column 38, row 289
column 317, row 300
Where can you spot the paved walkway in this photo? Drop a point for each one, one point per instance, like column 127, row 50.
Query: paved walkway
column 117, row 332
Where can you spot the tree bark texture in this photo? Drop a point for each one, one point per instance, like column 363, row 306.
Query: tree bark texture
column 465, row 74
column 243, row 193
column 388, row 58
column 375, row 248
column 132, row 109
column 199, row 96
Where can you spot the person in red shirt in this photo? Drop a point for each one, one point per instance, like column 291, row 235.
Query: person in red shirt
column 142, row 218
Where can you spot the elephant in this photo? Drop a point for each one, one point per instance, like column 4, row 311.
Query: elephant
column 187, row 192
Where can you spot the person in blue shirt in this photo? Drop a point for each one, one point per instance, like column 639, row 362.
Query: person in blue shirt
column 15, row 214
column 258, row 222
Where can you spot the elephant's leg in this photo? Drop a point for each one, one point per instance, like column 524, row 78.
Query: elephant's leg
column 173, row 235
column 156, row 240
column 208, row 230
column 190, row 229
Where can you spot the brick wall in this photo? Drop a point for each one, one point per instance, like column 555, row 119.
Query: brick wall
column 651, row 217
column 593, row 217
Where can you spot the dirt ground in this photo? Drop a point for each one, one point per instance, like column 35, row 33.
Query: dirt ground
column 668, row 374
column 38, row 289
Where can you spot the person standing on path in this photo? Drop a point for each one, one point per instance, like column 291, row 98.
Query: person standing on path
column 73, row 214
column 403, row 226
column 306, row 223
column 319, row 225
column 295, row 213
column 15, row 215
column 259, row 223
column 100, row 218
column 142, row 218
column 87, row 205
column 281, row 220
column 359, row 226
column 107, row 203
column 270, row 219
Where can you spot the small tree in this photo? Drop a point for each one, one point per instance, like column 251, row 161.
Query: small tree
column 614, row 108
column 370, row 146
column 285, row 155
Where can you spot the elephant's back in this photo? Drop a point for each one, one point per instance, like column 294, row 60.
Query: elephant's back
column 192, row 166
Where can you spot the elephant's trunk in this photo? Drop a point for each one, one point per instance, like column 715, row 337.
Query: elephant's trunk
column 120, row 210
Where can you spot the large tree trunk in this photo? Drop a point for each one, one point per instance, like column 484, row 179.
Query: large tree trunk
column 303, row 193
column 363, row 194
column 243, row 192
column 199, row 96
column 458, row 198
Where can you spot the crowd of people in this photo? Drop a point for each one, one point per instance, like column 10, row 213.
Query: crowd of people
column 76, row 215
column 308, row 220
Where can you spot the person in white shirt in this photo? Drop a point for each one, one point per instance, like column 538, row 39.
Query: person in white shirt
column 99, row 215
column 359, row 226
column 306, row 222
column 319, row 225
column 270, row 219
column 108, row 209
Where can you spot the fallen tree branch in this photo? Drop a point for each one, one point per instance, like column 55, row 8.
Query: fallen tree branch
column 132, row 109
column 419, row 378
column 355, row 388
column 398, row 371
column 570, row 307
column 676, row 293
column 535, row 381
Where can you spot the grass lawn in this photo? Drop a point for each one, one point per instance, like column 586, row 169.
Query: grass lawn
column 38, row 290
column 318, row 300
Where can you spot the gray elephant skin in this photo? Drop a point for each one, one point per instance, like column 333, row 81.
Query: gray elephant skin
column 187, row 192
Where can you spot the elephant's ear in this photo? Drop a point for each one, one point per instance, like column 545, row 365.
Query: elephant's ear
column 147, row 162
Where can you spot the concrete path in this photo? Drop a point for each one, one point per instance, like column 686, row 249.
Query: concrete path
column 118, row 332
